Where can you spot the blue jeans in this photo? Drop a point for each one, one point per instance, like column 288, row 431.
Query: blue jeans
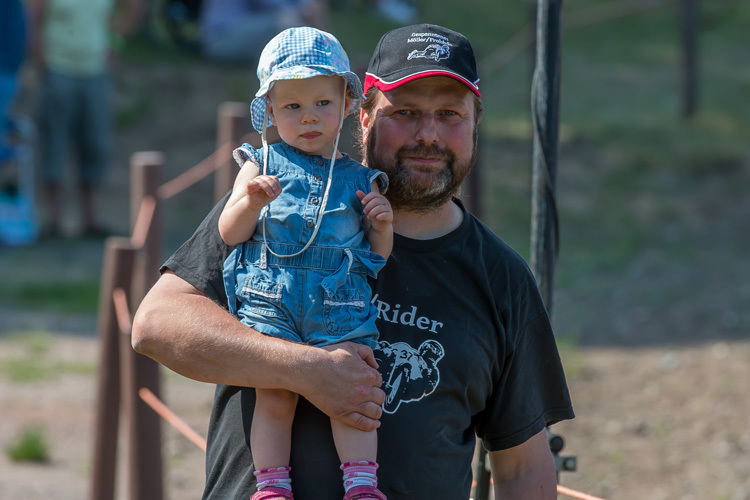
column 8, row 84
column 75, row 111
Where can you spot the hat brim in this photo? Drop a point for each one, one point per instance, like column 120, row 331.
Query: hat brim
column 399, row 80
column 258, row 106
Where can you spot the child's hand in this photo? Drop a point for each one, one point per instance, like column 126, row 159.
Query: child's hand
column 377, row 209
column 262, row 190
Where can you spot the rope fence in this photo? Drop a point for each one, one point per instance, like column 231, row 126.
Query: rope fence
column 173, row 420
column 196, row 173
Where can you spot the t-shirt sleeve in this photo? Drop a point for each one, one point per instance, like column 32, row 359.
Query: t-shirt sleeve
column 531, row 392
column 199, row 260
column 247, row 152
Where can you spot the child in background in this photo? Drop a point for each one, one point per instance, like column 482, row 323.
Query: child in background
column 309, row 236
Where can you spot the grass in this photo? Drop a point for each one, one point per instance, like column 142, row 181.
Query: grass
column 636, row 179
column 34, row 362
column 32, row 369
column 74, row 296
column 31, row 446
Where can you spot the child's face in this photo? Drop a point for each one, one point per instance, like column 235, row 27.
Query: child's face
column 307, row 112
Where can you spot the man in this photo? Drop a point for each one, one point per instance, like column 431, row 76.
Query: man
column 235, row 31
column 12, row 54
column 465, row 345
column 74, row 45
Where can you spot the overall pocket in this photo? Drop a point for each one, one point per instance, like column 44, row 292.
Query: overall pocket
column 262, row 295
column 344, row 310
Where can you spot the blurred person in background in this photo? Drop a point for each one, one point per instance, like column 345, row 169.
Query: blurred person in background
column 396, row 11
column 237, row 30
column 12, row 54
column 73, row 42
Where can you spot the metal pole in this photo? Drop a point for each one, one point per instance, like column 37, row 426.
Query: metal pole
column 475, row 181
column 689, row 17
column 545, row 105
column 482, row 475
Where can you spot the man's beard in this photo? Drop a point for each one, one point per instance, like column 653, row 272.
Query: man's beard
column 405, row 191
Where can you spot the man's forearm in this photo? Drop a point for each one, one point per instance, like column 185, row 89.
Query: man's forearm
column 533, row 485
column 525, row 472
column 187, row 332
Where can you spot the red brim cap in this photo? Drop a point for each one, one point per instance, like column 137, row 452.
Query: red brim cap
column 420, row 51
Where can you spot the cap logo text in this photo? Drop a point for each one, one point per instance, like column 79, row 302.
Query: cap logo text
column 439, row 47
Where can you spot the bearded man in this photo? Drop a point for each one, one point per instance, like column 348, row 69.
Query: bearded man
column 465, row 341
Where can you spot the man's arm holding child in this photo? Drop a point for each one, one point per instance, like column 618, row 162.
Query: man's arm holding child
column 186, row 331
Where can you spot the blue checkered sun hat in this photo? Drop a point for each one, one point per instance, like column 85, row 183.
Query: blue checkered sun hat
column 298, row 53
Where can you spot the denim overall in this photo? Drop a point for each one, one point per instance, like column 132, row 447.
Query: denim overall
column 320, row 296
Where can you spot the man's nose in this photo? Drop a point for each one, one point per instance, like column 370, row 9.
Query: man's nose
column 427, row 132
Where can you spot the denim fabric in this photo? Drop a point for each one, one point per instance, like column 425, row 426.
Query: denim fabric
column 295, row 54
column 8, row 84
column 320, row 296
column 77, row 110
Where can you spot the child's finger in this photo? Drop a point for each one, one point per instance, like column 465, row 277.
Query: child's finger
column 269, row 185
column 380, row 212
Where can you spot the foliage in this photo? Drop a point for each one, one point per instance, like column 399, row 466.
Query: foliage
column 31, row 446
column 35, row 363
column 80, row 295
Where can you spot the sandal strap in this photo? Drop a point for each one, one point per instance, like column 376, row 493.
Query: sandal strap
column 364, row 492
column 272, row 492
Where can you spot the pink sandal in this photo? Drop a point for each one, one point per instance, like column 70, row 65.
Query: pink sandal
column 272, row 492
column 363, row 493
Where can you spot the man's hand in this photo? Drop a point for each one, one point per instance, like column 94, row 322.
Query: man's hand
column 343, row 382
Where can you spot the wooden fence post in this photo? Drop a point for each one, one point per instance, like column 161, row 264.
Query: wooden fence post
column 117, row 270
column 145, row 176
column 144, row 426
column 233, row 124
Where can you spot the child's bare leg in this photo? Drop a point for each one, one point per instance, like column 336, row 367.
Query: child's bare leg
column 271, row 435
column 353, row 444
column 358, row 451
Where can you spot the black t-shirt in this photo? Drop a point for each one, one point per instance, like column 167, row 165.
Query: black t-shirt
column 465, row 349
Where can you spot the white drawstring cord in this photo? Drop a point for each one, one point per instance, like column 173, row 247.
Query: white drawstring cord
column 321, row 210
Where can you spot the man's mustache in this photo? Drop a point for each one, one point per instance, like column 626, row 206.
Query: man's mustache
column 423, row 151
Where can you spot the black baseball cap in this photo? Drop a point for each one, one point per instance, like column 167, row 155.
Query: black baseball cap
column 418, row 51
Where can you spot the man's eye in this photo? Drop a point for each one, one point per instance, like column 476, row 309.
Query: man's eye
column 403, row 112
column 449, row 112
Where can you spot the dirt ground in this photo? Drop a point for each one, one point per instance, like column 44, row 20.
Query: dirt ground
column 661, row 396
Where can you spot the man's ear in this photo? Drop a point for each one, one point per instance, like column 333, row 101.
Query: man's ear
column 364, row 122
